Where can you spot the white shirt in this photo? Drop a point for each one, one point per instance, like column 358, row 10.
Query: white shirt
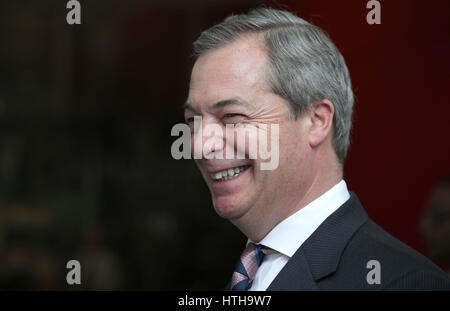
column 289, row 235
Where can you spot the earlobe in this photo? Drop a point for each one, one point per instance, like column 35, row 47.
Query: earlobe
column 321, row 114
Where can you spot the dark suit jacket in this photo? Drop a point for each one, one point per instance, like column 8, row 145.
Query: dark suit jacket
column 335, row 257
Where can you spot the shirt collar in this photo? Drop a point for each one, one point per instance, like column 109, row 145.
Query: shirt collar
column 289, row 235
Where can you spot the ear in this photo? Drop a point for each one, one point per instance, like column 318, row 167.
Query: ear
column 321, row 122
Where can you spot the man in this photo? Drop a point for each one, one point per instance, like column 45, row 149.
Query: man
column 305, row 230
column 435, row 223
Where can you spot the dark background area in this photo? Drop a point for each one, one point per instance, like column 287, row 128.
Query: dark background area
column 85, row 117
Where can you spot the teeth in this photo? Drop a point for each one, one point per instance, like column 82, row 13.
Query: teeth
column 227, row 174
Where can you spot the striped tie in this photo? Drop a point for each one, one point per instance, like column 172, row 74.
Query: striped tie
column 246, row 268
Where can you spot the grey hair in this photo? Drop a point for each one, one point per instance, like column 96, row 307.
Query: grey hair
column 305, row 66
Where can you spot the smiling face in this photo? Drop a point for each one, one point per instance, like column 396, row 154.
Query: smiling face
column 228, row 87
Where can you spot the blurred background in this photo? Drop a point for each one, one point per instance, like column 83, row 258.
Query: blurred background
column 85, row 117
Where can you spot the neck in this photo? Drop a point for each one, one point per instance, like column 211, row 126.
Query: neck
column 256, row 227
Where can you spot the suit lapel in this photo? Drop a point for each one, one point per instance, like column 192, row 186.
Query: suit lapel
column 319, row 255
column 295, row 275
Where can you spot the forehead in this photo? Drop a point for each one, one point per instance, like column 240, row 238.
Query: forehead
column 235, row 70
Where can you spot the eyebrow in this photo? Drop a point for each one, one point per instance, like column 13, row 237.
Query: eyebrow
column 220, row 104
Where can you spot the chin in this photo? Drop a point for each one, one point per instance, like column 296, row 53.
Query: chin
column 229, row 209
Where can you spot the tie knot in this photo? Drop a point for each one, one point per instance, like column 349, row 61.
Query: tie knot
column 251, row 258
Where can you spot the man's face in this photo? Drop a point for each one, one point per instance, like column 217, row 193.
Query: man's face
column 435, row 224
column 228, row 87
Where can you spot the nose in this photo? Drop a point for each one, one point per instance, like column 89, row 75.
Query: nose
column 209, row 139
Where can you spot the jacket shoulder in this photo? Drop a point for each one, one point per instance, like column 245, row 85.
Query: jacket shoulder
column 399, row 266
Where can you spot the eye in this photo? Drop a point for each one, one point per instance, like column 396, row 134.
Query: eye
column 233, row 117
column 189, row 117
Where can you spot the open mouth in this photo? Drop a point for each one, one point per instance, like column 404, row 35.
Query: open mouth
column 229, row 173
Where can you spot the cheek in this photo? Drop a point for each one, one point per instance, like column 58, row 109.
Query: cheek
column 244, row 140
column 294, row 156
column 291, row 142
